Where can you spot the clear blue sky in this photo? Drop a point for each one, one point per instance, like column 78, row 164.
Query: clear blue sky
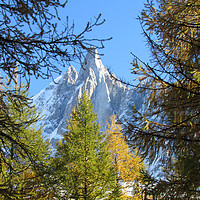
column 121, row 24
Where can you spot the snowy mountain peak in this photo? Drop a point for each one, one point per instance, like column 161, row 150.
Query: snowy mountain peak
column 93, row 65
column 108, row 95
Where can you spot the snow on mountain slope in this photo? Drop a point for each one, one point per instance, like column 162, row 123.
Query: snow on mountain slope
column 56, row 101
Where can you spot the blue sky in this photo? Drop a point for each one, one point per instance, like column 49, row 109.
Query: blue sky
column 121, row 24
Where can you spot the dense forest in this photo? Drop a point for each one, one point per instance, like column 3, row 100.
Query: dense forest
column 89, row 163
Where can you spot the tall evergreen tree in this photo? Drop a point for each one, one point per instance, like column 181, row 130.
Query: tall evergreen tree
column 86, row 171
column 170, row 124
column 24, row 154
column 127, row 163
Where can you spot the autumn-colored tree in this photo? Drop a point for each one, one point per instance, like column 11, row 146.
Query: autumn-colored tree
column 127, row 163
column 169, row 126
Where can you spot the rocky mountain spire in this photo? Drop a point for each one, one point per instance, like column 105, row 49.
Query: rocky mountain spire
column 57, row 100
column 93, row 64
column 71, row 75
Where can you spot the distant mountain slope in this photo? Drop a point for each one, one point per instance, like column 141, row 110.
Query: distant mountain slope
column 108, row 95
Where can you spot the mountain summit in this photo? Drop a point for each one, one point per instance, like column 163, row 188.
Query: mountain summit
column 56, row 101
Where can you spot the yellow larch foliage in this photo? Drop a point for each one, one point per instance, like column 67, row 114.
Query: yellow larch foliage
column 126, row 161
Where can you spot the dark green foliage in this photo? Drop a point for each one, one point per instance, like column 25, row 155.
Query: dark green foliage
column 169, row 127
column 23, row 152
column 86, row 171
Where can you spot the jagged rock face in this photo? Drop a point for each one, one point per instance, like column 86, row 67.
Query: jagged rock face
column 108, row 95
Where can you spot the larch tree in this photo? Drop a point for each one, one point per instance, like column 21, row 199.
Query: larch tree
column 83, row 161
column 128, row 164
column 24, row 154
column 169, row 127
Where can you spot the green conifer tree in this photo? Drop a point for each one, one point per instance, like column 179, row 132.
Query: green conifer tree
column 24, row 154
column 86, row 171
